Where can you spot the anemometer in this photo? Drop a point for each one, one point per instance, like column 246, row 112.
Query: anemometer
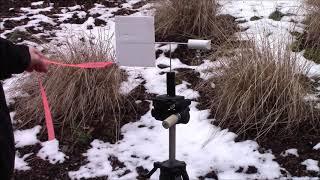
column 135, row 47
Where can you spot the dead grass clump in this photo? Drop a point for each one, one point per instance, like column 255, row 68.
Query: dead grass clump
column 313, row 31
column 178, row 20
column 84, row 102
column 310, row 39
column 262, row 92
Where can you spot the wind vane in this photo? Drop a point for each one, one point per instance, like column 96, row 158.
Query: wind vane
column 135, row 41
column 135, row 46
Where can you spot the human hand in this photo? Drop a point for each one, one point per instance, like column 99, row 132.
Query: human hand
column 37, row 62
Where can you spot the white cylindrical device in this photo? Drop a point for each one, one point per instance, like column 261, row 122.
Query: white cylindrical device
column 199, row 44
column 171, row 120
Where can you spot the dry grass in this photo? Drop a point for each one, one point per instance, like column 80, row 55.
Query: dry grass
column 81, row 100
column 310, row 39
column 261, row 91
column 313, row 23
column 178, row 20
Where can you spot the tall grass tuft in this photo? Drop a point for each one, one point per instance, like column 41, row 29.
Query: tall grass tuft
column 261, row 91
column 84, row 102
column 313, row 21
column 178, row 20
column 310, row 39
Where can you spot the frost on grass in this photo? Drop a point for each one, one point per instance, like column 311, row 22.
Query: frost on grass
column 50, row 151
column 20, row 163
column 290, row 152
column 311, row 165
column 26, row 137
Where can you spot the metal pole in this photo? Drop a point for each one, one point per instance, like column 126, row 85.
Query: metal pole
column 170, row 57
column 180, row 43
column 172, row 144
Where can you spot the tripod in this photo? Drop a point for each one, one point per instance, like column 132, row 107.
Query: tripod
column 171, row 109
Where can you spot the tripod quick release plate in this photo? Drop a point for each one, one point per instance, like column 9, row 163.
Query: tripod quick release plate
column 165, row 106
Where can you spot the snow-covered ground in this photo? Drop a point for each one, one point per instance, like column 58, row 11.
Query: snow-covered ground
column 203, row 146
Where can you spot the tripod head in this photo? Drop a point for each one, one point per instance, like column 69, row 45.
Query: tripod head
column 165, row 106
column 170, row 105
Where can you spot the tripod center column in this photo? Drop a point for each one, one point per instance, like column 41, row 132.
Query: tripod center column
column 172, row 144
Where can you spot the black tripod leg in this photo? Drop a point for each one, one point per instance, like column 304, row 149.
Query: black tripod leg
column 185, row 175
column 156, row 165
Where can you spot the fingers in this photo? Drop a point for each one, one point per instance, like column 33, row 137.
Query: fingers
column 37, row 61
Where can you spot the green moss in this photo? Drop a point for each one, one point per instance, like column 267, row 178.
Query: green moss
column 312, row 54
column 178, row 81
column 83, row 137
column 255, row 18
column 276, row 15
column 295, row 33
column 18, row 36
column 296, row 46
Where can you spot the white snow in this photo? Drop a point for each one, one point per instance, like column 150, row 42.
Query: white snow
column 98, row 161
column 12, row 115
column 26, row 137
column 167, row 47
column 20, row 163
column 311, row 165
column 288, row 152
column 50, row 151
column 73, row 8
column 36, row 11
column 8, row 87
column 134, row 79
column 317, row 146
column 39, row 3
column 143, row 146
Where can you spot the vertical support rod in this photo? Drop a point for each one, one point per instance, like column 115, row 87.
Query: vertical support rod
column 171, row 84
column 172, row 144
column 171, row 91
column 170, row 55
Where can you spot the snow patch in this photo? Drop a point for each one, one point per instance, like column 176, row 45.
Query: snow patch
column 98, row 162
column 290, row 152
column 20, row 163
column 143, row 145
column 317, row 147
column 50, row 151
column 39, row 3
column 26, row 137
column 312, row 165
column 12, row 115
column 134, row 79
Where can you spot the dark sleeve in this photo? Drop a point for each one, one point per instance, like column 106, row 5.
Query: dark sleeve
column 14, row 59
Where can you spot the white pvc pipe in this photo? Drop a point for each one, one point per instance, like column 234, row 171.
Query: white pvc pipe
column 199, row 44
column 171, row 121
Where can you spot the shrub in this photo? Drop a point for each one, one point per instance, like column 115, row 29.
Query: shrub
column 313, row 25
column 276, row 15
column 261, row 91
column 310, row 39
column 179, row 20
column 313, row 18
column 84, row 102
